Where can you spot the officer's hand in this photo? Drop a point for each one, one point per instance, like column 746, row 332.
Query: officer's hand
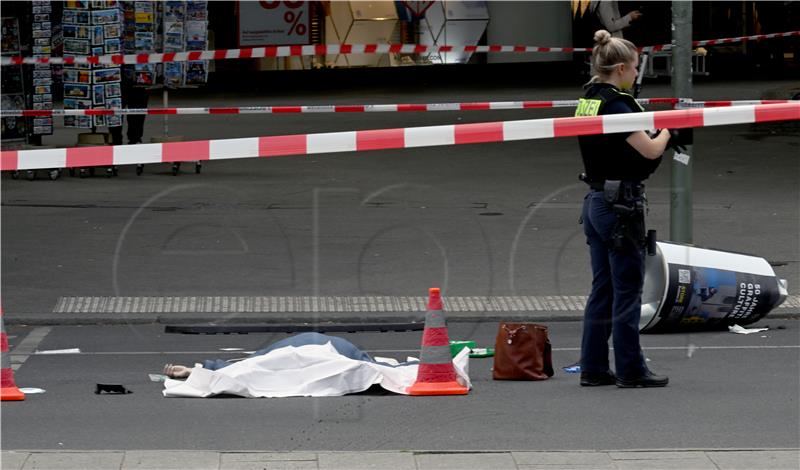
column 635, row 15
column 675, row 141
column 659, row 134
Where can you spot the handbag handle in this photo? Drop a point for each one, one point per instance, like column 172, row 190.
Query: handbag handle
column 512, row 333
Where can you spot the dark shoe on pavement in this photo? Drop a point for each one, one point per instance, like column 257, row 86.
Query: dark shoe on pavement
column 649, row 379
column 589, row 379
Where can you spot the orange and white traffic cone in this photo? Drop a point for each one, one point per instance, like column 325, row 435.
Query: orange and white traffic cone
column 436, row 374
column 9, row 389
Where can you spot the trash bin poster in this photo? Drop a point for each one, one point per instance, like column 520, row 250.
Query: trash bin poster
column 708, row 296
column 273, row 23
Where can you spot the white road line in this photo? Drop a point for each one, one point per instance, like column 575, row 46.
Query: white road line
column 28, row 346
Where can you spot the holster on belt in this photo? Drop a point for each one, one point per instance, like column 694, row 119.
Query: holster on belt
column 627, row 201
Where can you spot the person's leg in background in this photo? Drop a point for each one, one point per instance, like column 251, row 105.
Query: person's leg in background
column 116, row 135
column 137, row 98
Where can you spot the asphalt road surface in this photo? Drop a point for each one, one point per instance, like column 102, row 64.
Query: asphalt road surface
column 725, row 391
column 475, row 220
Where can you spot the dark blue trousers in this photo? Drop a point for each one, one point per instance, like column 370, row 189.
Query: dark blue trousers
column 614, row 306
column 342, row 346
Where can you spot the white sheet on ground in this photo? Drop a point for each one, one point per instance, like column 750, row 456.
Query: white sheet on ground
column 311, row 370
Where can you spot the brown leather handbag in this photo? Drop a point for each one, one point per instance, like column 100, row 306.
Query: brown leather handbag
column 522, row 351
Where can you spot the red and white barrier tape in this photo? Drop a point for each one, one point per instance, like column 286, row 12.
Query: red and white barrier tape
column 364, row 108
column 334, row 49
column 348, row 108
column 758, row 37
column 379, row 139
column 277, row 51
column 725, row 103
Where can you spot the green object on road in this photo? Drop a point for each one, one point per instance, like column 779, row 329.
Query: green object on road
column 482, row 352
column 457, row 346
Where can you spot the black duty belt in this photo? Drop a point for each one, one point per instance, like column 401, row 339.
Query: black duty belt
column 636, row 188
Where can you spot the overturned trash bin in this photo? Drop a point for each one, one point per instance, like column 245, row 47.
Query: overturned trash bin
column 691, row 288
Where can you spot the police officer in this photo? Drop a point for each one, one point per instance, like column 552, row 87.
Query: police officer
column 613, row 220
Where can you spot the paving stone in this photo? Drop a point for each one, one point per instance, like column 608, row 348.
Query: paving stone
column 481, row 460
column 563, row 466
column 72, row 460
column 196, row 460
column 10, row 460
column 655, row 455
column 266, row 456
column 268, row 461
column 765, row 459
column 270, row 465
column 366, row 460
column 666, row 460
column 563, row 459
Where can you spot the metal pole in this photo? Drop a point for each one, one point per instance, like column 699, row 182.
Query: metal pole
column 165, row 98
column 680, row 227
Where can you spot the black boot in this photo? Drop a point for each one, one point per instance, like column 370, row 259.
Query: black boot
column 589, row 379
column 649, row 379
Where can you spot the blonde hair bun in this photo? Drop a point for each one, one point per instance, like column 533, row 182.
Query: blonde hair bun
column 602, row 37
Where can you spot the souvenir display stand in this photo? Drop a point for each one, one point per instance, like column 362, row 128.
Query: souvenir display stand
column 45, row 43
column 184, row 28
column 92, row 28
column 14, row 128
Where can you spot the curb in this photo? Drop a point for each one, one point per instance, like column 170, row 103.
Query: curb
column 423, row 451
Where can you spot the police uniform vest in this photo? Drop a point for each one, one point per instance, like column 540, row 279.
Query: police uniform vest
column 609, row 156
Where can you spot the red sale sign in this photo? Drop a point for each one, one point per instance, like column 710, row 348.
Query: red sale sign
column 267, row 23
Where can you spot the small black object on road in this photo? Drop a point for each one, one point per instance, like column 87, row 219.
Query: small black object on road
column 113, row 389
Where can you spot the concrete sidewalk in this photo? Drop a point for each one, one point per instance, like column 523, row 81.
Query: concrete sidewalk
column 498, row 460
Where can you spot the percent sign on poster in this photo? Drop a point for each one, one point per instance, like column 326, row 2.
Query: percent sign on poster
column 273, row 23
column 294, row 19
column 290, row 17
